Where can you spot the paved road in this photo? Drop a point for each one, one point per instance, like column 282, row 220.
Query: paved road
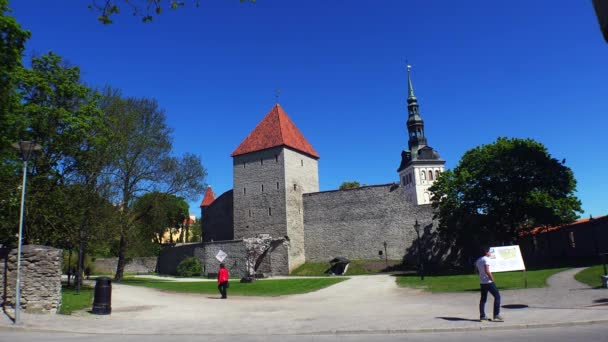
column 587, row 333
column 362, row 304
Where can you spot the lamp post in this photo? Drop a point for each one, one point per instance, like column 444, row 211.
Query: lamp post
column 27, row 149
column 420, row 265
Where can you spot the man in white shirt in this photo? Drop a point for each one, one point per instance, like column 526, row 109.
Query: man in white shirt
column 486, row 281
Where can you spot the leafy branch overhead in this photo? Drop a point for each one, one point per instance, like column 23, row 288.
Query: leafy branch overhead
column 145, row 9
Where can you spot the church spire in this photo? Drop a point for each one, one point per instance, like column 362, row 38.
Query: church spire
column 415, row 125
column 410, row 87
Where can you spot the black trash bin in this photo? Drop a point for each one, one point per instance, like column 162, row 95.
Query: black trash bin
column 102, row 304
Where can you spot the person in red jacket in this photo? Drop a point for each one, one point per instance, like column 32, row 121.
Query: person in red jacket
column 222, row 280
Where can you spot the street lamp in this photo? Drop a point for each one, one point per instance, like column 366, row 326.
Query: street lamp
column 420, row 265
column 27, row 150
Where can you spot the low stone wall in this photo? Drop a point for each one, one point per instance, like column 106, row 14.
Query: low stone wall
column 170, row 257
column 235, row 261
column 141, row 265
column 40, row 278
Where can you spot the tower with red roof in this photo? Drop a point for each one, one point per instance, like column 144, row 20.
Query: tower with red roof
column 273, row 166
column 207, row 200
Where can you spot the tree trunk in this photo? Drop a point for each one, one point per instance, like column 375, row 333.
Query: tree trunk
column 120, row 265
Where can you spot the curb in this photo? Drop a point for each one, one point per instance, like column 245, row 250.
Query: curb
column 338, row 332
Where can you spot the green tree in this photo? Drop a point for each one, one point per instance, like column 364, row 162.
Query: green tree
column 349, row 185
column 58, row 112
column 12, row 44
column 158, row 213
column 501, row 189
column 145, row 9
column 142, row 163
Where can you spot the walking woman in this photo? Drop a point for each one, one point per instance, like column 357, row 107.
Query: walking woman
column 222, row 280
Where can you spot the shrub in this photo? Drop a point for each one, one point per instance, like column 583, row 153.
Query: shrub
column 189, row 267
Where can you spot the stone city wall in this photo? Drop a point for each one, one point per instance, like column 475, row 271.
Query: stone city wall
column 355, row 223
column 141, row 265
column 235, row 261
column 217, row 219
column 40, row 278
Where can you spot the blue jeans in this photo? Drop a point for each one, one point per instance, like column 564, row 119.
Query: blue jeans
column 485, row 288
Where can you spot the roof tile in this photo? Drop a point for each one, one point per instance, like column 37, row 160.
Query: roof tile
column 275, row 129
column 208, row 198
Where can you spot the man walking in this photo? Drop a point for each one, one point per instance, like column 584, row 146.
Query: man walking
column 487, row 284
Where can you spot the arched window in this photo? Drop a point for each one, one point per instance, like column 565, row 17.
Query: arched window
column 436, row 174
column 430, row 175
column 422, row 175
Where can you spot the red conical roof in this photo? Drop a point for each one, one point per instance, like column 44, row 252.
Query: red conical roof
column 275, row 129
column 208, row 198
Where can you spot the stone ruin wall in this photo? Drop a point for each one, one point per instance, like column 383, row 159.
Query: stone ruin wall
column 40, row 278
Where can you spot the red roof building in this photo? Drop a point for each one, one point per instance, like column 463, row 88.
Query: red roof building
column 575, row 224
column 208, row 198
column 275, row 129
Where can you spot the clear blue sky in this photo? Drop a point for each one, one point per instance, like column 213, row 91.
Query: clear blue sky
column 481, row 69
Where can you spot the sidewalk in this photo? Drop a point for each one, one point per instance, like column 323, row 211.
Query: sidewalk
column 362, row 304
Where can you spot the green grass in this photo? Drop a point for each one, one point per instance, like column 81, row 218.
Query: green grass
column 470, row 282
column 263, row 287
column 591, row 276
column 356, row 267
column 71, row 302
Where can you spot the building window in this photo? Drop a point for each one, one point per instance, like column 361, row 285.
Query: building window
column 244, row 165
column 269, row 211
column 436, row 174
column 430, row 175
column 261, row 161
column 262, row 187
column 295, row 187
column 249, row 212
column 302, row 162
column 244, row 191
column 277, row 185
column 422, row 175
column 276, row 158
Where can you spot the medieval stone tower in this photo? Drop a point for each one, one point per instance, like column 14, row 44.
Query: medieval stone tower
column 421, row 164
column 273, row 167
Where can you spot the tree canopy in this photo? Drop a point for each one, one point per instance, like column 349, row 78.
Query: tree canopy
column 100, row 153
column 144, row 9
column 502, row 189
column 349, row 185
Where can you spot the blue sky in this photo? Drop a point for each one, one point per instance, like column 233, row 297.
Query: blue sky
column 481, row 69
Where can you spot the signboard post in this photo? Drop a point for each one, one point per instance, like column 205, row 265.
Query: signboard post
column 221, row 255
column 506, row 259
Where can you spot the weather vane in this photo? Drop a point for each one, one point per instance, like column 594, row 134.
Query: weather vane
column 277, row 94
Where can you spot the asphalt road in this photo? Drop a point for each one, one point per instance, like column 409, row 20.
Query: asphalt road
column 594, row 332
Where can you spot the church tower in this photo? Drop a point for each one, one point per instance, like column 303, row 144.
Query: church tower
column 273, row 167
column 420, row 164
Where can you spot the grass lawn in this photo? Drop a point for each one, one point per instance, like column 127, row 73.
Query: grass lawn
column 591, row 276
column 262, row 287
column 71, row 302
column 356, row 267
column 470, row 282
